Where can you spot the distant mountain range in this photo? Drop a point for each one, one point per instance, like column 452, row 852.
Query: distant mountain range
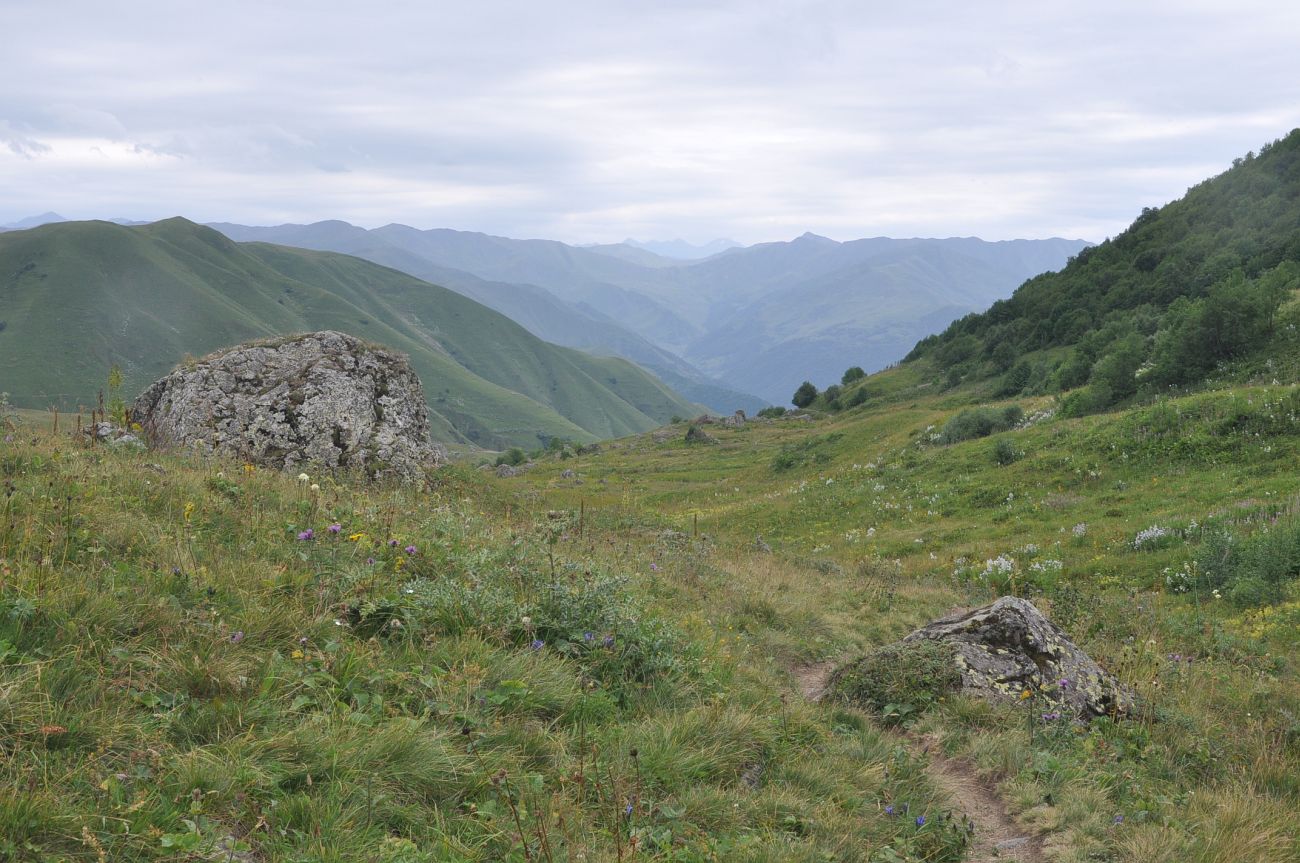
column 747, row 320
column 80, row 297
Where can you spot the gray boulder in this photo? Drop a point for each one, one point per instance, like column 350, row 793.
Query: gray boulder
column 1007, row 647
column 323, row 399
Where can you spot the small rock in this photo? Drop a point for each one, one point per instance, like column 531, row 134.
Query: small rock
column 567, row 473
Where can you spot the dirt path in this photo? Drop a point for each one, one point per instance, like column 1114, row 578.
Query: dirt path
column 996, row 838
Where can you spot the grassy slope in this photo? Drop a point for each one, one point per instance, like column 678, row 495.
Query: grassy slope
column 125, row 689
column 1208, row 773
column 84, row 296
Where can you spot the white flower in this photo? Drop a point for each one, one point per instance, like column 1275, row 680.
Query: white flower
column 302, row 477
column 315, row 486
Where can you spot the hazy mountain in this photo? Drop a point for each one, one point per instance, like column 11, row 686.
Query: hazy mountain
column 34, row 222
column 83, row 296
column 759, row 319
column 576, row 325
column 682, row 250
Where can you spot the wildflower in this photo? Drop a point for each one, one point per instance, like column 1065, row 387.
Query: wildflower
column 1064, row 683
column 627, row 810
column 608, row 641
column 370, row 561
column 302, row 477
column 537, row 644
column 1025, row 694
column 1051, row 717
column 302, row 641
column 654, row 567
column 410, row 549
column 236, row 636
column 392, row 543
column 307, row 534
column 1119, row 819
column 335, row 528
column 920, row 821
column 589, row 637
column 889, row 810
column 356, row 537
column 315, row 486
column 526, row 621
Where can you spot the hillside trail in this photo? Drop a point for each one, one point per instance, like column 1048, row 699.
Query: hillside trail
column 997, row 838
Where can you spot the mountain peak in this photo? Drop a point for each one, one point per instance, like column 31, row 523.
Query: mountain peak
column 36, row 221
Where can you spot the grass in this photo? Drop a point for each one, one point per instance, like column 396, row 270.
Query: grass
column 182, row 678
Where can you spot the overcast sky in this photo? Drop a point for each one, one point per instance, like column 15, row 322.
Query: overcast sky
column 595, row 121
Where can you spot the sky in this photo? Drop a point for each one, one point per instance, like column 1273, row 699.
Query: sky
column 597, row 121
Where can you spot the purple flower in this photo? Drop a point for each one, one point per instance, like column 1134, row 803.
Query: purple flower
column 889, row 810
column 628, row 809
column 370, row 560
column 1051, row 716
column 307, row 534
column 1065, row 683
column 589, row 637
column 410, row 549
column 1119, row 819
column 392, row 543
column 654, row 567
column 537, row 644
column 608, row 641
column 335, row 528
column 237, row 636
column 920, row 821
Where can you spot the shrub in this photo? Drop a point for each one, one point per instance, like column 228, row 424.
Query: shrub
column 1005, row 452
column 979, row 422
column 773, row 412
column 513, row 457
column 898, row 681
column 1252, row 571
column 805, row 395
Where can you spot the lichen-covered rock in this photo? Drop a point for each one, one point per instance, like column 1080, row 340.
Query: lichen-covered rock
column 324, row 399
column 1008, row 647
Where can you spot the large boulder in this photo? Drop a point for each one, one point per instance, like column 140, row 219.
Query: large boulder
column 1003, row 649
column 324, row 399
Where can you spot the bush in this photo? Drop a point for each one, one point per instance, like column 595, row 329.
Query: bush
column 513, row 457
column 1005, row 452
column 851, row 374
column 805, row 395
column 1253, row 571
column 773, row 412
column 899, row 681
column 980, row 422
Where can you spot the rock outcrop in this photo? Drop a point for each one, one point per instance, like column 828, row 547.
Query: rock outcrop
column 324, row 399
column 1008, row 647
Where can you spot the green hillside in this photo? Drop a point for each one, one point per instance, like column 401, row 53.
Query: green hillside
column 1186, row 289
column 82, row 297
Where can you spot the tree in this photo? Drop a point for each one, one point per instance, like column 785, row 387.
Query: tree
column 851, row 374
column 805, row 395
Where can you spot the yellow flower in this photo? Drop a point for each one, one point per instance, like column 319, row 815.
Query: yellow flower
column 1026, row 694
column 189, row 510
column 297, row 654
column 356, row 536
column 249, row 468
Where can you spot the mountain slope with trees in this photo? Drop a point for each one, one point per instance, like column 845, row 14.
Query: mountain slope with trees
column 1185, row 290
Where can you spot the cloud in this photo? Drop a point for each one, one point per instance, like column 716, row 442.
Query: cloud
column 592, row 121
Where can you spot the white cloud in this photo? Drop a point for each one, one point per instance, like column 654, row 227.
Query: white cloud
column 592, row 121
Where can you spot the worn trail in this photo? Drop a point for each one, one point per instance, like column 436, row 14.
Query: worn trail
column 997, row 837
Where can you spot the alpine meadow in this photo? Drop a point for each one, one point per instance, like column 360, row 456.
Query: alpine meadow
column 326, row 538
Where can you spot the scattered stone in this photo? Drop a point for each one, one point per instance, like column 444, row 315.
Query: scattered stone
column 324, row 399
column 1009, row 647
column 505, row 471
column 695, row 434
column 567, row 473
column 735, row 421
column 761, row 546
